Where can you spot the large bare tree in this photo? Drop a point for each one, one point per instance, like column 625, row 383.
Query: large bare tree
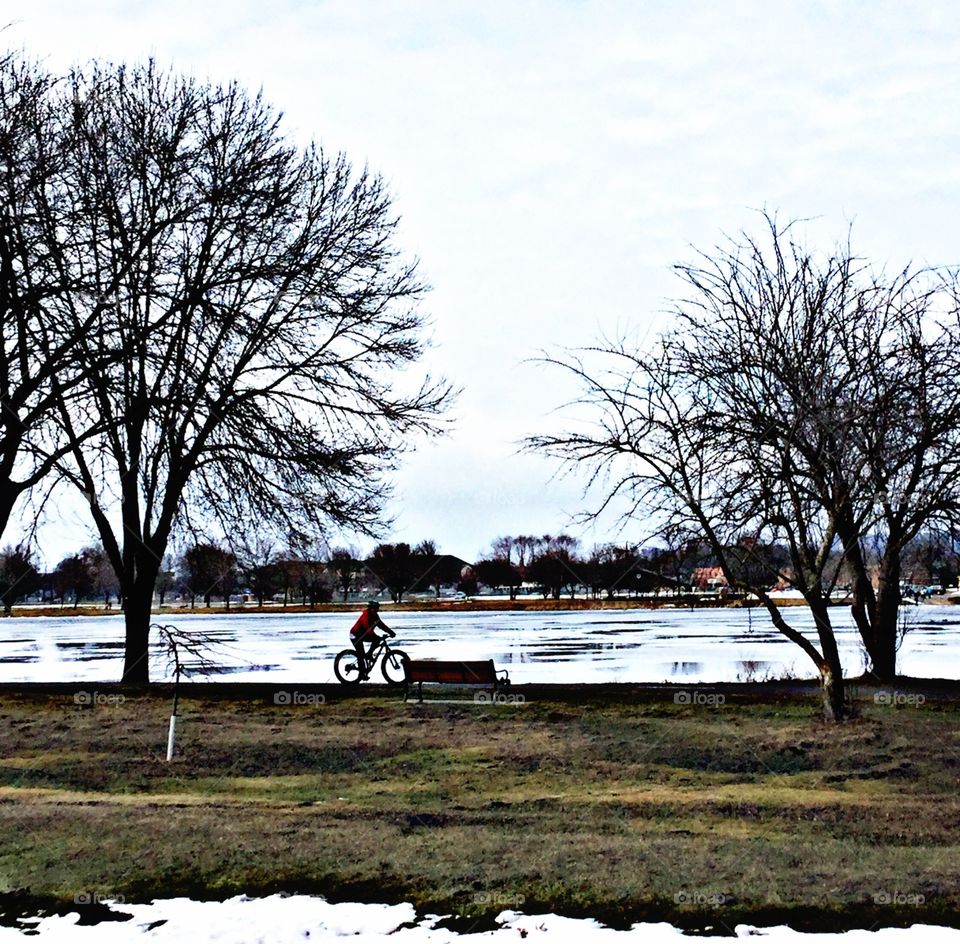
column 800, row 399
column 248, row 322
column 39, row 363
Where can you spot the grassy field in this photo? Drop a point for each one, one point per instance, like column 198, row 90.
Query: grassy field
column 705, row 815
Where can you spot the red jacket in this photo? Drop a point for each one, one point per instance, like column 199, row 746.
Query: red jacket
column 364, row 627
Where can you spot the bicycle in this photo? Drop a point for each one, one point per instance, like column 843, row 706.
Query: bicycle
column 348, row 669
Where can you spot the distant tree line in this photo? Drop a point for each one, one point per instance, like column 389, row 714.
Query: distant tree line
column 209, row 571
column 548, row 565
column 558, row 565
column 555, row 564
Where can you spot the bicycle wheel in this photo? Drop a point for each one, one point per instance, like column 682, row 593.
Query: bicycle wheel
column 346, row 667
column 392, row 666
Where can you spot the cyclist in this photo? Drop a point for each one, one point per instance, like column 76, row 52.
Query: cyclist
column 364, row 629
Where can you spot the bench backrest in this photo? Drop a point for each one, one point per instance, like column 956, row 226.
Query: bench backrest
column 464, row 673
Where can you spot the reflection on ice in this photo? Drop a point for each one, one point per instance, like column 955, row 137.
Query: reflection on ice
column 686, row 668
column 562, row 646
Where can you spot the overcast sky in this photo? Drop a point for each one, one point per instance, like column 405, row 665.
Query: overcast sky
column 551, row 160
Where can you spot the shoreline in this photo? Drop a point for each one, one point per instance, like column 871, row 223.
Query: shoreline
column 861, row 688
column 430, row 606
column 407, row 606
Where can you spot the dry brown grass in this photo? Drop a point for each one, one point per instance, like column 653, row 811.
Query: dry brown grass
column 624, row 811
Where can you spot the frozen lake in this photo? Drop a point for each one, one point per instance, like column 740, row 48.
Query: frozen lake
column 708, row 645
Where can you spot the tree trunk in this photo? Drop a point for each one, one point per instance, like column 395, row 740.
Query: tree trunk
column 832, row 692
column 883, row 652
column 831, row 671
column 9, row 495
column 136, row 667
column 137, row 609
column 885, row 619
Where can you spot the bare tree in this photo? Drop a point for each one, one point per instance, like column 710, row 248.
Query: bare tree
column 254, row 312
column 72, row 575
column 18, row 575
column 103, row 579
column 932, row 561
column 395, row 567
column 502, row 548
column 497, row 568
column 207, row 571
column 525, row 546
column 346, row 564
column 166, row 579
column 615, row 568
column 555, row 565
column 40, row 366
column 256, row 555
column 800, row 400
column 846, row 378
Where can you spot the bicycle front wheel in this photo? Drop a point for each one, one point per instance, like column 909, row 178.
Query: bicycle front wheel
column 347, row 668
column 394, row 666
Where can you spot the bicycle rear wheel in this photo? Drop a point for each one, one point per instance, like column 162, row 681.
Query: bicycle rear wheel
column 347, row 668
column 393, row 666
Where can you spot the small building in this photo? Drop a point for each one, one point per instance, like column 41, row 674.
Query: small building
column 709, row 578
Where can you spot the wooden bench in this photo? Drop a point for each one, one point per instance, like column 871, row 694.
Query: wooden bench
column 447, row 672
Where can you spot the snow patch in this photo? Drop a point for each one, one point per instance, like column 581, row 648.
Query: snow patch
column 281, row 919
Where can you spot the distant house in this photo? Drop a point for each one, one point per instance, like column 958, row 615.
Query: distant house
column 709, row 578
column 416, row 575
column 439, row 574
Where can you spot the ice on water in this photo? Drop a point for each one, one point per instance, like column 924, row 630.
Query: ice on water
column 641, row 645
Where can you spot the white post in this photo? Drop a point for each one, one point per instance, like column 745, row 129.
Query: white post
column 171, row 737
